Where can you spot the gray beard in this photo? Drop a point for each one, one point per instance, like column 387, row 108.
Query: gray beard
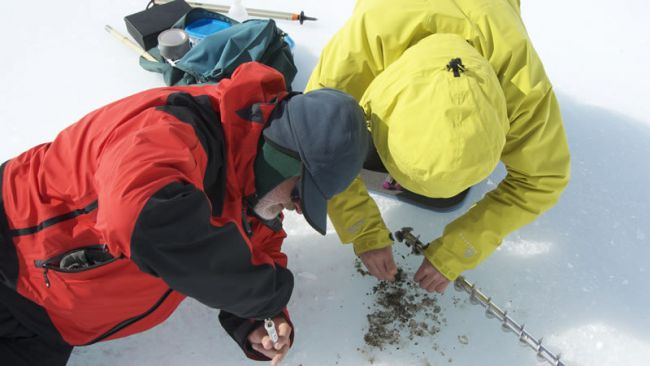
column 267, row 208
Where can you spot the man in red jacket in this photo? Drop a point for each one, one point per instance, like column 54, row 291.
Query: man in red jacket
column 169, row 193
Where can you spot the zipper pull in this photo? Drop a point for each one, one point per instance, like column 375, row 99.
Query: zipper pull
column 43, row 264
column 47, row 279
column 245, row 224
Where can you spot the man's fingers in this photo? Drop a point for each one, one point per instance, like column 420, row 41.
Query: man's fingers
column 277, row 358
column 380, row 263
column 388, row 275
column 284, row 329
column 432, row 286
column 380, row 271
column 434, row 282
column 378, row 268
column 428, row 277
column 441, row 287
column 386, row 255
column 420, row 274
column 263, row 344
column 385, row 275
column 266, row 352
column 281, row 343
column 256, row 335
column 426, row 283
column 267, row 343
column 391, row 267
column 372, row 268
column 284, row 333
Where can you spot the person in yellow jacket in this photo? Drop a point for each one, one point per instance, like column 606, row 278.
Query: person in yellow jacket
column 449, row 88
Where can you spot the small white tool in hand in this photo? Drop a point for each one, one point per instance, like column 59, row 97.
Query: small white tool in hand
column 269, row 325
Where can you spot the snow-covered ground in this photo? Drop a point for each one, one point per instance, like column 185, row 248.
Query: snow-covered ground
column 577, row 276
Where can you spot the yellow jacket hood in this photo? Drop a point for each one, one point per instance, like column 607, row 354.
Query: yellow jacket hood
column 439, row 128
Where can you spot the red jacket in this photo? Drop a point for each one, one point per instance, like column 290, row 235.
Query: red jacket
column 154, row 185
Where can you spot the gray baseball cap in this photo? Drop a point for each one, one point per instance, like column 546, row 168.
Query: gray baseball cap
column 326, row 130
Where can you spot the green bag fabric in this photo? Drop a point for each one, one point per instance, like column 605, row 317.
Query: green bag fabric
column 219, row 54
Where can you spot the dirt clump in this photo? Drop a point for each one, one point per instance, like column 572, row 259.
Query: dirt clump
column 401, row 312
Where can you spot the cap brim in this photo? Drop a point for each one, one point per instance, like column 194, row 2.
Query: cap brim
column 313, row 203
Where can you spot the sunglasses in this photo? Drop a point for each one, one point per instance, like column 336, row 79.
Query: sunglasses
column 295, row 195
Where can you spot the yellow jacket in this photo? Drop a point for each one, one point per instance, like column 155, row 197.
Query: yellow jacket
column 535, row 152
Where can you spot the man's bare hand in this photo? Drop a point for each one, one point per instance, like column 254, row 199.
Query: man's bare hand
column 380, row 263
column 261, row 342
column 429, row 278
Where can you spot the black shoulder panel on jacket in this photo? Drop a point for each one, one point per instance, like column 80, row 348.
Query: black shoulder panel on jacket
column 8, row 256
column 198, row 112
column 174, row 239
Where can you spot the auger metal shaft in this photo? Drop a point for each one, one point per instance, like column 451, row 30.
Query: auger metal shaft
column 507, row 323
column 476, row 297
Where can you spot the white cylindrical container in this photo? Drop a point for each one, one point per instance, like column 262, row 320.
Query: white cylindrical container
column 237, row 11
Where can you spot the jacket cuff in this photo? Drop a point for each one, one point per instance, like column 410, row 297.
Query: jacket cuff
column 443, row 260
column 239, row 329
column 378, row 240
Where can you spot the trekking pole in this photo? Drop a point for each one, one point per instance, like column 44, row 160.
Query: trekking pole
column 129, row 43
column 476, row 297
column 254, row 12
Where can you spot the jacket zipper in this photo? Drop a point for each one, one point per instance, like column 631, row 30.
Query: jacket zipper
column 245, row 224
column 54, row 220
column 48, row 264
column 132, row 320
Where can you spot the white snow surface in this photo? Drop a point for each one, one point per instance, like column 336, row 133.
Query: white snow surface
column 577, row 276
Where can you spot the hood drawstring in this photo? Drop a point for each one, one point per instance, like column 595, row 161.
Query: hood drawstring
column 456, row 64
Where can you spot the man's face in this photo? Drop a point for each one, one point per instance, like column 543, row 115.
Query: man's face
column 279, row 198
